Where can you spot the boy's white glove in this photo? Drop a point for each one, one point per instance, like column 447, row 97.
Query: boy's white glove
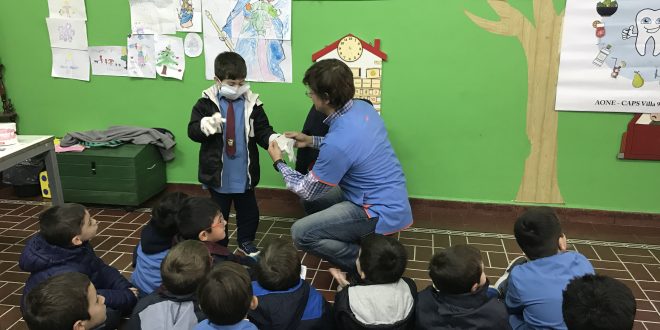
column 212, row 124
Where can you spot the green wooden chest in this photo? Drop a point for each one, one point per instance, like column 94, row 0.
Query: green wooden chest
column 125, row 175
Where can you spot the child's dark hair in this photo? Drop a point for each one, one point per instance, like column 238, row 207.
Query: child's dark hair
column 196, row 214
column 163, row 215
column 58, row 302
column 382, row 259
column 225, row 293
column 230, row 65
column 456, row 269
column 596, row 302
column 59, row 224
column 278, row 268
column 185, row 266
column 537, row 232
column 332, row 81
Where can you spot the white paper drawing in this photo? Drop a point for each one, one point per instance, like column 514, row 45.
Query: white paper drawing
column 170, row 59
column 153, row 16
column 258, row 30
column 141, row 56
column 193, row 45
column 610, row 57
column 67, row 33
column 67, row 9
column 70, row 64
column 189, row 18
column 109, row 60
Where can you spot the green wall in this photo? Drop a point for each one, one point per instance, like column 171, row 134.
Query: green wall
column 454, row 99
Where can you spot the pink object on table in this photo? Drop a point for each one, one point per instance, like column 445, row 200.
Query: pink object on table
column 73, row 148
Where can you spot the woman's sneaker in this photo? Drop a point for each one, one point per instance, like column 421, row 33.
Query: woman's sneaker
column 248, row 248
column 502, row 283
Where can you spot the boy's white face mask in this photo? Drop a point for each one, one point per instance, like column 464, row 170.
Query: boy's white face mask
column 233, row 93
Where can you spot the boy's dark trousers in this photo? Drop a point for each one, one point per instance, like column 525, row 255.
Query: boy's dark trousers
column 247, row 214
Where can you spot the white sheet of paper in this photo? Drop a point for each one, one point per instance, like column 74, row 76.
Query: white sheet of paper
column 264, row 41
column 141, row 56
column 193, row 45
column 170, row 59
column 303, row 272
column 67, row 33
column 70, row 64
column 189, row 16
column 153, row 16
column 109, row 60
column 67, row 9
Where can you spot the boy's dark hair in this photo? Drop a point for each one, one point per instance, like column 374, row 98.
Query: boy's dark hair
column 537, row 232
column 382, row 259
column 230, row 65
column 163, row 215
column 597, row 302
column 225, row 293
column 58, row 302
column 59, row 224
column 278, row 268
column 196, row 214
column 456, row 269
column 332, row 81
column 185, row 266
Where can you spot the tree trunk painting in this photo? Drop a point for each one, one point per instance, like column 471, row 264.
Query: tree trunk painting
column 540, row 42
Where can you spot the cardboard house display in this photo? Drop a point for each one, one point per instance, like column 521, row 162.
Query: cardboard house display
column 366, row 62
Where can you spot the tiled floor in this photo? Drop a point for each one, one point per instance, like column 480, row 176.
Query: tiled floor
column 637, row 265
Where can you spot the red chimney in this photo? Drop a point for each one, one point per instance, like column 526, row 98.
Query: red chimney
column 377, row 44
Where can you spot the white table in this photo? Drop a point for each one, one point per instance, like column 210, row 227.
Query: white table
column 29, row 146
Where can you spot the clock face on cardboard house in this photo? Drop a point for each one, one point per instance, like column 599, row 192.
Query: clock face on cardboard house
column 349, row 48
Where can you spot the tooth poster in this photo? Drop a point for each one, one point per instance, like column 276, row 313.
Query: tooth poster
column 610, row 57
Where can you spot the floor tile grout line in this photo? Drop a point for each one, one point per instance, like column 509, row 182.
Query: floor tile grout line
column 13, row 324
column 655, row 257
column 649, row 272
column 636, row 283
column 11, row 307
column 596, row 252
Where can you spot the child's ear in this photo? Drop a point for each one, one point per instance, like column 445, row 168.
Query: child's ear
column 203, row 236
column 562, row 243
column 76, row 241
column 475, row 287
column 254, row 303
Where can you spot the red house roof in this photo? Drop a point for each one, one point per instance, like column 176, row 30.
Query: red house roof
column 373, row 49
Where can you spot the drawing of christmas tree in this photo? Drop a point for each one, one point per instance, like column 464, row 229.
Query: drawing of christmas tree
column 166, row 58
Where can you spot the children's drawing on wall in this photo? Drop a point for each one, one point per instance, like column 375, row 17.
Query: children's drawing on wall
column 193, row 45
column 141, row 56
column 170, row 59
column 366, row 62
column 153, row 16
column 70, row 64
column 67, row 33
column 109, row 60
column 259, row 30
column 190, row 16
column 611, row 70
column 67, row 9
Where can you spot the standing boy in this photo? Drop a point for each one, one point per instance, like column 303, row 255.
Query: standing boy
column 229, row 121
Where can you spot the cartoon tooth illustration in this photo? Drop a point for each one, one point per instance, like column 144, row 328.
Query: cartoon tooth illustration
column 647, row 27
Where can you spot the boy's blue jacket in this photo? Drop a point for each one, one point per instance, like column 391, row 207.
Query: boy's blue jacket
column 44, row 260
column 279, row 310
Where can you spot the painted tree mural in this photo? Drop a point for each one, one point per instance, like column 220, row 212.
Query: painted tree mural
column 540, row 41
column 166, row 58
